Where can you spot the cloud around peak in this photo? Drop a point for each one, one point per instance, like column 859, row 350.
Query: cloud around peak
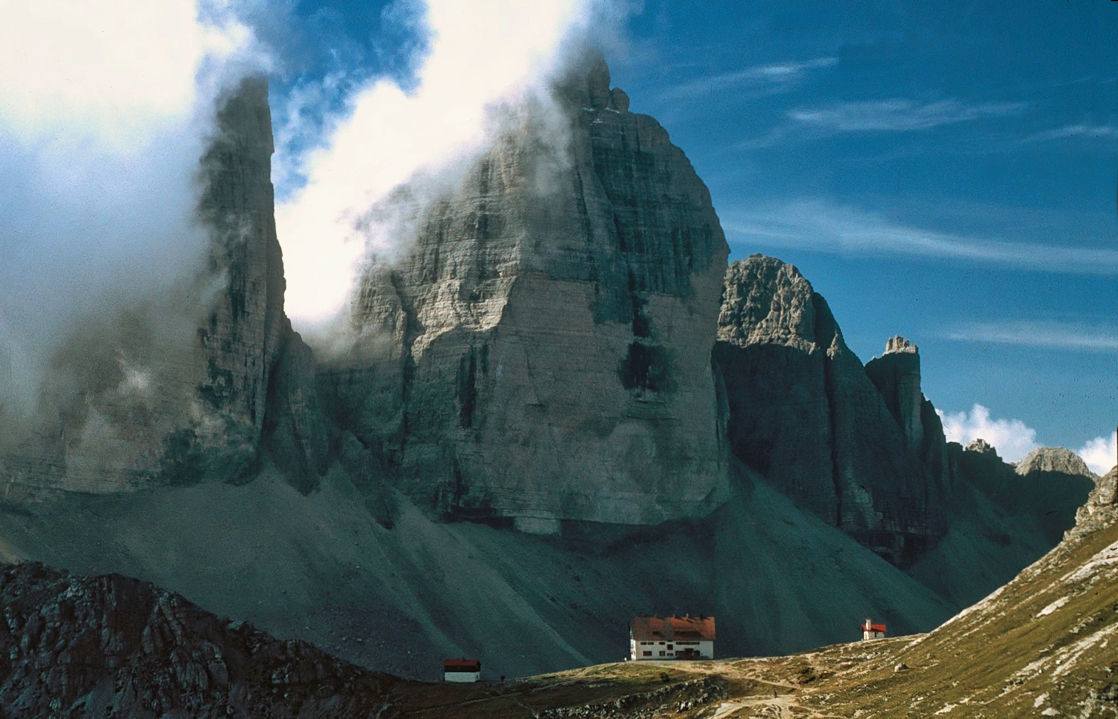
column 105, row 111
column 475, row 54
column 1014, row 439
column 1011, row 437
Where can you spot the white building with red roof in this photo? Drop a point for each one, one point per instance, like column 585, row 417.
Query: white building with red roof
column 669, row 638
column 872, row 631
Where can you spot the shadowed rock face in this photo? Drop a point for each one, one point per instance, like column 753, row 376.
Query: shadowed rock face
column 541, row 351
column 896, row 374
column 804, row 413
column 175, row 390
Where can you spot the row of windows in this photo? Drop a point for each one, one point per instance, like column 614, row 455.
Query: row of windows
column 649, row 644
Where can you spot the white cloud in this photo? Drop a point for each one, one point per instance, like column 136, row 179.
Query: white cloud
column 1057, row 335
column 117, row 73
column 824, row 226
column 105, row 109
column 1011, row 437
column 478, row 52
column 783, row 75
column 899, row 115
column 1101, row 453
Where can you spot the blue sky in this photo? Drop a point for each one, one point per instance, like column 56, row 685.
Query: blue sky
column 946, row 171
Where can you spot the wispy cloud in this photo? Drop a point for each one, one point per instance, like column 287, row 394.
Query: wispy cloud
column 823, row 226
column 899, row 115
column 781, row 76
column 1011, row 437
column 1053, row 335
column 1087, row 132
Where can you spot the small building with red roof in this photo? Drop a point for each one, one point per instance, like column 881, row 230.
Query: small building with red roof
column 669, row 638
column 872, row 631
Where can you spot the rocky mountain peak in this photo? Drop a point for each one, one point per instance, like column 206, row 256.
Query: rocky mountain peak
column 1054, row 459
column 768, row 301
column 1101, row 508
column 585, row 84
column 897, row 344
column 980, row 446
column 805, row 414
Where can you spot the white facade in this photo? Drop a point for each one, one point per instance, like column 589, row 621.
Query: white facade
column 663, row 650
column 462, row 677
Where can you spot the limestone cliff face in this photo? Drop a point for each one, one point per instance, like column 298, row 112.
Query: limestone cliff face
column 241, row 338
column 174, row 389
column 804, row 413
column 541, row 351
column 896, row 374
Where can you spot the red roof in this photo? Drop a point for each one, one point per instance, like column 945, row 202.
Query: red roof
column 462, row 665
column 874, row 628
column 647, row 629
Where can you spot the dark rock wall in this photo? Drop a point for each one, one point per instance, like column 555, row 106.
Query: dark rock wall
column 804, row 413
column 896, row 374
column 243, row 334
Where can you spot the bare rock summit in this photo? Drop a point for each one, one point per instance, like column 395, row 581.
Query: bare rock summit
column 1054, row 459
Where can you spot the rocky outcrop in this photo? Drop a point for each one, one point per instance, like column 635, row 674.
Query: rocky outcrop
column 896, row 374
column 114, row 646
column 541, row 350
column 1053, row 459
column 1101, row 508
column 245, row 329
column 981, row 446
column 804, row 413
